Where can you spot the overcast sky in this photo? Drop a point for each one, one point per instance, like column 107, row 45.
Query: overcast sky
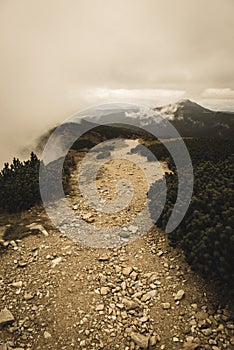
column 58, row 56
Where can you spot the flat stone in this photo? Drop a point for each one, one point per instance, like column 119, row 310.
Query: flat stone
column 82, row 343
column 104, row 257
column 175, row 339
column 28, row 296
column 56, row 261
column 147, row 296
column 141, row 340
column 133, row 275
column 22, row 263
column 166, row 306
column 117, row 269
column 179, row 295
column 153, row 340
column 190, row 346
column 124, row 234
column 133, row 228
column 87, row 216
column 104, row 290
column 100, row 307
column 129, row 304
column 144, row 319
column 124, row 314
column 160, row 253
column 201, row 315
column 207, row 331
column 123, row 285
column 6, row 317
column 47, row 335
column 127, row 270
column 38, row 227
column 17, row 284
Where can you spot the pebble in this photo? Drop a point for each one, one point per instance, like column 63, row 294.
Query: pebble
column 190, row 346
column 175, row 339
column 166, row 306
column 147, row 296
column 129, row 304
column 17, row 284
column 141, row 340
column 179, row 295
column 6, row 317
column 133, row 228
column 28, row 296
column 104, row 257
column 47, row 335
column 82, row 343
column 35, row 226
column 100, row 307
column 56, row 261
column 127, row 270
column 104, row 290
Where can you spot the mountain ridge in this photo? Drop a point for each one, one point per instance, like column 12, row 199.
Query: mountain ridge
column 193, row 120
column 188, row 117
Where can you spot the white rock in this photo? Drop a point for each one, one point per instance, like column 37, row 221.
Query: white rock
column 166, row 306
column 175, row 339
column 47, row 335
column 100, row 307
column 56, row 261
column 104, row 290
column 133, row 228
column 17, row 284
column 179, row 295
column 147, row 296
column 127, row 270
column 35, row 226
column 141, row 340
column 6, row 317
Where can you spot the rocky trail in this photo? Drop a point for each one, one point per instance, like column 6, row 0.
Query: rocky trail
column 57, row 294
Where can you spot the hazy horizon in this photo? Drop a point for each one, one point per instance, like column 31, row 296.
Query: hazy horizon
column 58, row 57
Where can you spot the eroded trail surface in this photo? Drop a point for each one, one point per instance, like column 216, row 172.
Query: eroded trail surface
column 57, row 294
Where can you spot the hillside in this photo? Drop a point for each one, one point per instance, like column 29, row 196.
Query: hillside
column 193, row 120
column 95, row 280
column 59, row 294
column 189, row 118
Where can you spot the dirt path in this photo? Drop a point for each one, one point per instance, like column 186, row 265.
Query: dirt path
column 61, row 295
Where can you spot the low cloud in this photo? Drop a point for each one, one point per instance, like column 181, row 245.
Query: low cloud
column 151, row 97
column 224, row 94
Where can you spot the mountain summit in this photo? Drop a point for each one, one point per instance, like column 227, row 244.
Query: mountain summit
column 181, row 109
column 193, row 120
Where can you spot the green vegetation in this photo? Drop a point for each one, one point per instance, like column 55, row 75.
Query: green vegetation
column 19, row 182
column 206, row 233
column 19, row 189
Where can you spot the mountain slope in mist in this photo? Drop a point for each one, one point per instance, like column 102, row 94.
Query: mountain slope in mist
column 189, row 118
column 193, row 120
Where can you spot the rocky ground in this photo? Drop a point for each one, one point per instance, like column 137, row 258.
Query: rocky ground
column 58, row 294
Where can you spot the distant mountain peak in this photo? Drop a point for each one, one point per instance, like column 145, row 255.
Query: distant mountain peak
column 180, row 109
column 187, row 102
column 183, row 103
column 190, row 104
